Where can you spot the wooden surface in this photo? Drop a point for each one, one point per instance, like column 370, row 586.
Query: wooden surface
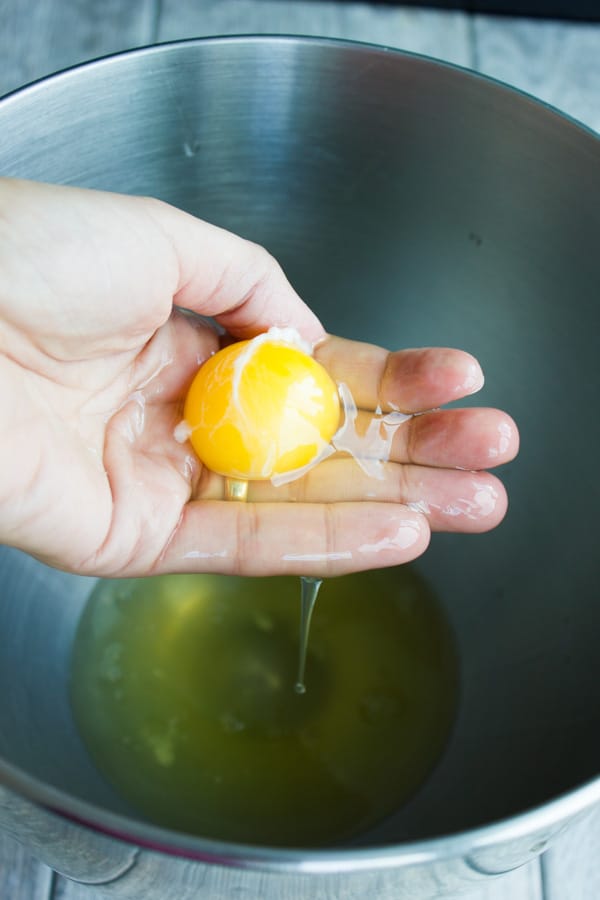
column 558, row 62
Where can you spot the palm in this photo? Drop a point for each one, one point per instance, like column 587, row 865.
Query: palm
column 99, row 476
column 94, row 365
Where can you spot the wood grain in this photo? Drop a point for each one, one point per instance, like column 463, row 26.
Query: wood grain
column 442, row 34
column 39, row 37
column 555, row 61
column 522, row 884
column 571, row 867
column 21, row 876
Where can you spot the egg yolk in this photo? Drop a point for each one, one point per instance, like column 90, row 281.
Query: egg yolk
column 261, row 408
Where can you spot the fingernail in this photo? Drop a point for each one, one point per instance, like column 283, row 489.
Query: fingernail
column 406, row 536
column 505, row 436
column 474, row 380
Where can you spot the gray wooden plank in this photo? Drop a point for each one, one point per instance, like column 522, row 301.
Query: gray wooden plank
column 39, row 37
column 442, row 34
column 571, row 867
column 521, row 884
column 556, row 61
column 21, row 876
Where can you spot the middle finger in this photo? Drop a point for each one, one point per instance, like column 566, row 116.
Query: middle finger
column 474, row 438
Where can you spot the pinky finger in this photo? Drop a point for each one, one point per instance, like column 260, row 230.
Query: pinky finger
column 301, row 539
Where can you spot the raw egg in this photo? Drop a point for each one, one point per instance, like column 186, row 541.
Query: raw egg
column 262, row 408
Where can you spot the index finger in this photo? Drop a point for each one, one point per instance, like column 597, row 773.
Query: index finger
column 408, row 381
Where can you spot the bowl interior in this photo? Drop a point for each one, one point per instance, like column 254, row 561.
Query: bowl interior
column 411, row 204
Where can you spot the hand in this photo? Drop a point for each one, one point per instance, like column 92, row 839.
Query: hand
column 95, row 362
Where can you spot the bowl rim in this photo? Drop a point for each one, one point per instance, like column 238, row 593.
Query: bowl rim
column 543, row 817
column 284, row 38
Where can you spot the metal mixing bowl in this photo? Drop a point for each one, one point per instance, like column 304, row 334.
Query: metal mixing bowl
column 411, row 203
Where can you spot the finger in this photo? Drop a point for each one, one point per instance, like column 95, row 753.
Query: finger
column 234, row 280
column 407, row 380
column 452, row 500
column 117, row 263
column 477, row 438
column 301, row 539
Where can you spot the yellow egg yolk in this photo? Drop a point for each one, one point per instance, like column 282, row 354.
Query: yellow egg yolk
column 261, row 408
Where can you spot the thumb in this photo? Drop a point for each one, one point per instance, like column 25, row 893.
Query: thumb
column 231, row 279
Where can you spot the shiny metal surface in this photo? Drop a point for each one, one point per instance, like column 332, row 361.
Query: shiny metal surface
column 411, row 203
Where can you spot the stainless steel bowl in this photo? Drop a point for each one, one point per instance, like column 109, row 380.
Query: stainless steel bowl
column 411, row 203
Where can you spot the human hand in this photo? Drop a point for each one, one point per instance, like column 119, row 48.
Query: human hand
column 94, row 365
